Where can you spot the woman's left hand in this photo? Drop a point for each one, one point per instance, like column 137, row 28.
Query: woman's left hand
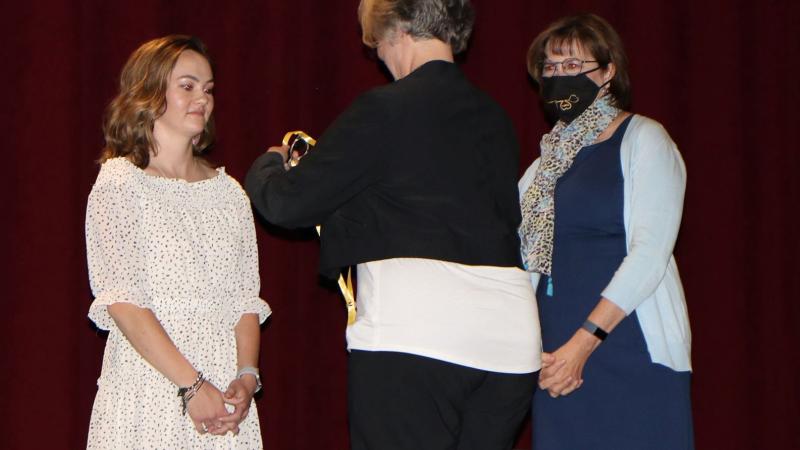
column 566, row 375
column 240, row 395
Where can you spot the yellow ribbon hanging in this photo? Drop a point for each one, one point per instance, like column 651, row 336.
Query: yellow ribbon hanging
column 347, row 291
column 346, row 286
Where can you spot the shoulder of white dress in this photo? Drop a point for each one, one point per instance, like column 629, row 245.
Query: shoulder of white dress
column 228, row 179
column 233, row 185
column 118, row 171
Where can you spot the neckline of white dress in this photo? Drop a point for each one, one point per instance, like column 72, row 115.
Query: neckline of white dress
column 220, row 171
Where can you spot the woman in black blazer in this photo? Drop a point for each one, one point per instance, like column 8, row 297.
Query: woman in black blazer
column 415, row 185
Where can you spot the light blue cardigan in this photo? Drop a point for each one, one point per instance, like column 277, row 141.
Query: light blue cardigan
column 647, row 280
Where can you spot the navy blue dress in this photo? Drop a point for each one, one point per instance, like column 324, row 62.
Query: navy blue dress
column 626, row 401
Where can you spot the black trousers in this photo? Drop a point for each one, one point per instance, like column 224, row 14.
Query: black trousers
column 404, row 401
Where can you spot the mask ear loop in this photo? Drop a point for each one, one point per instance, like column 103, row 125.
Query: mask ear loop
column 606, row 88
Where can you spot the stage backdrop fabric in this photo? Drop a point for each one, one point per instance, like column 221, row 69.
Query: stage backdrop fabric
column 720, row 75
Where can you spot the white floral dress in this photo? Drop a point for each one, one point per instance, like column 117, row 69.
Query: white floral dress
column 187, row 251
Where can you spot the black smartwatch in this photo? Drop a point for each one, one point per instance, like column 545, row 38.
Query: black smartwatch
column 596, row 331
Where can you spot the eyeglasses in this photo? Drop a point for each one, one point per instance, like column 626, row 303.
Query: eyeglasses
column 299, row 144
column 569, row 66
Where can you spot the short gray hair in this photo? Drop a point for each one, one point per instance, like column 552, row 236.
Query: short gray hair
column 449, row 21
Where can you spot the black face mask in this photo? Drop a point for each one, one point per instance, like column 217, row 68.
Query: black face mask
column 566, row 97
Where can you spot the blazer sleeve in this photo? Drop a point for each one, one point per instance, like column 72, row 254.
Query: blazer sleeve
column 346, row 160
column 655, row 201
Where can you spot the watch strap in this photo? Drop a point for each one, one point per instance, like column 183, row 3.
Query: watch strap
column 595, row 330
column 250, row 371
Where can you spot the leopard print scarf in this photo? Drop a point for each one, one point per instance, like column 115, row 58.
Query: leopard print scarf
column 559, row 148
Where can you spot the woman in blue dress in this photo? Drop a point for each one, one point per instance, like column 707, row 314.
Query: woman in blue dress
column 601, row 212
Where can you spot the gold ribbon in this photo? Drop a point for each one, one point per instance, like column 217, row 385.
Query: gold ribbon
column 346, row 286
column 300, row 135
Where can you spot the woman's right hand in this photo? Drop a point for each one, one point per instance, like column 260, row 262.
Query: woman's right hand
column 206, row 408
column 282, row 150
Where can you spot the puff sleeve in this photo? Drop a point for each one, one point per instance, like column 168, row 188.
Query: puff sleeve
column 249, row 285
column 114, row 249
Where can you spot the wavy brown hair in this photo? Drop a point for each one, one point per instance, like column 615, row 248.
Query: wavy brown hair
column 595, row 36
column 449, row 21
column 142, row 98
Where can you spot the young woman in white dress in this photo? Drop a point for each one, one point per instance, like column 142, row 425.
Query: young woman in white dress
column 173, row 266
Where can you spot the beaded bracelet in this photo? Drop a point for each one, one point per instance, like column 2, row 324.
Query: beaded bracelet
column 186, row 393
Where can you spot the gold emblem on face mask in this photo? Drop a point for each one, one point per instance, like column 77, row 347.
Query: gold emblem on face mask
column 565, row 104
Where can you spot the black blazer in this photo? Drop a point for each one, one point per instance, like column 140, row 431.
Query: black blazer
column 424, row 167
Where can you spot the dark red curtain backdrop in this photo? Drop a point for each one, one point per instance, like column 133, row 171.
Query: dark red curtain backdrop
column 720, row 75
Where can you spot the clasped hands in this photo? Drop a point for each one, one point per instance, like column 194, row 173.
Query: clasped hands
column 562, row 370
column 207, row 408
